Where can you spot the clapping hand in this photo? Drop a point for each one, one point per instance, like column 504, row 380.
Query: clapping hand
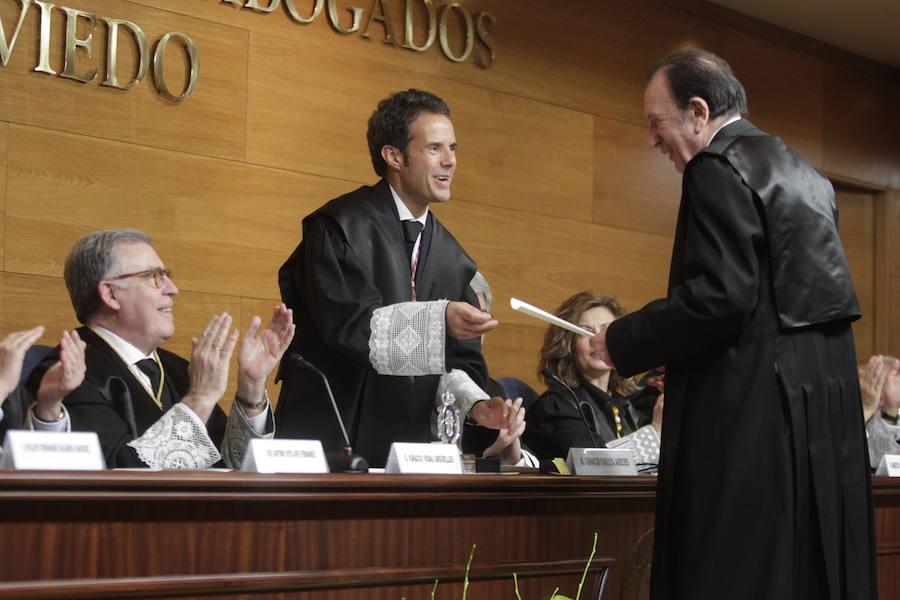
column 12, row 355
column 62, row 378
column 208, row 369
column 261, row 350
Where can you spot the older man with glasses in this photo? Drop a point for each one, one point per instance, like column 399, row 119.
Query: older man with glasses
column 150, row 407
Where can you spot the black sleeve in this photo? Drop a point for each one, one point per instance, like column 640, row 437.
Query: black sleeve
column 720, row 276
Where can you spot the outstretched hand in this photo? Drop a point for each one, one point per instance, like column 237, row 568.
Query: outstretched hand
column 464, row 321
column 598, row 345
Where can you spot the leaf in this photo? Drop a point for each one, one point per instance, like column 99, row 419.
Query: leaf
column 468, row 566
column 559, row 597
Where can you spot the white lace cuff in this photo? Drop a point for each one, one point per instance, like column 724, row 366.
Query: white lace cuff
column 409, row 338
column 466, row 391
column 240, row 430
column 178, row 440
column 644, row 443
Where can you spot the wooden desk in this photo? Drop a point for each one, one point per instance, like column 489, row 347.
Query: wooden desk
column 206, row 535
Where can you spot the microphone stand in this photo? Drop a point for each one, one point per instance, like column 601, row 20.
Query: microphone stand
column 344, row 461
column 551, row 375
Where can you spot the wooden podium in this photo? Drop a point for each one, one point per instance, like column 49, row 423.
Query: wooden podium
column 127, row 534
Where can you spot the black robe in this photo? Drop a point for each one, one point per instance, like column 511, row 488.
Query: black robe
column 112, row 402
column 553, row 423
column 353, row 260
column 763, row 490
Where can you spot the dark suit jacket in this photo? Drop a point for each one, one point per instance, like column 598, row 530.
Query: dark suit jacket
column 353, row 260
column 14, row 407
column 113, row 403
column 763, row 483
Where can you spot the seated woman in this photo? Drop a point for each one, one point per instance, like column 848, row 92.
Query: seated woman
column 595, row 410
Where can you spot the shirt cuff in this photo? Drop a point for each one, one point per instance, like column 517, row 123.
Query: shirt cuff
column 32, row 421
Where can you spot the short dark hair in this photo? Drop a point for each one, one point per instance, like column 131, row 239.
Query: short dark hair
column 389, row 124
column 94, row 258
column 699, row 73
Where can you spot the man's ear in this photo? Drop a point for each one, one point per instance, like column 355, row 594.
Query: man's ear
column 392, row 156
column 698, row 111
column 109, row 294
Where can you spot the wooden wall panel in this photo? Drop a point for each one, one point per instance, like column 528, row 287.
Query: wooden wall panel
column 635, row 186
column 512, row 351
column 857, row 228
column 545, row 260
column 514, row 152
column 223, row 227
column 893, row 258
column 784, row 91
column 4, row 134
column 212, row 121
column 860, row 128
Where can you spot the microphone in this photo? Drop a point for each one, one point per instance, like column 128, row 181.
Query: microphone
column 549, row 374
column 344, row 461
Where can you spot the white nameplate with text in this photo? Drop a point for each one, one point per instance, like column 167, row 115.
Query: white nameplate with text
column 284, row 456
column 53, row 451
column 889, row 466
column 601, row 461
column 406, row 458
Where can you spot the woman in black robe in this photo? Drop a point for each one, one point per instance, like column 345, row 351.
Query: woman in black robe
column 598, row 406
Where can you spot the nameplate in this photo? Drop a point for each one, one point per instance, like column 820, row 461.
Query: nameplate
column 52, row 451
column 284, row 456
column 407, row 458
column 889, row 466
column 601, row 461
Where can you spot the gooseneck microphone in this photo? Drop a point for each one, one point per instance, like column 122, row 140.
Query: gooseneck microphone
column 344, row 461
column 549, row 374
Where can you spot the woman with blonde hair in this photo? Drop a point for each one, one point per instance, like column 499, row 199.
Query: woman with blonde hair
column 587, row 404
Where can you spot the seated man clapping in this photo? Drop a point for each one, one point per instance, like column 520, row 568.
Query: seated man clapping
column 150, row 407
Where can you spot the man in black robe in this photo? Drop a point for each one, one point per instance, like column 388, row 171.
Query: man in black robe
column 148, row 406
column 380, row 293
column 763, row 490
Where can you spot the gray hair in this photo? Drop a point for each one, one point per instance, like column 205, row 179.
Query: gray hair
column 93, row 259
column 699, row 73
column 480, row 285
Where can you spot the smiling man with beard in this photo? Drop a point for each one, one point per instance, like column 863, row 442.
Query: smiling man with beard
column 380, row 291
column 149, row 406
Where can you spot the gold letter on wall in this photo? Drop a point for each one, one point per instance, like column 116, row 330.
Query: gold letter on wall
column 292, row 10
column 481, row 19
column 44, row 55
column 409, row 41
column 445, row 44
column 335, row 20
column 254, row 4
column 158, row 65
column 73, row 43
column 6, row 48
column 112, row 50
column 385, row 18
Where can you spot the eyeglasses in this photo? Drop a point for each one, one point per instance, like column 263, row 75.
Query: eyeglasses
column 157, row 274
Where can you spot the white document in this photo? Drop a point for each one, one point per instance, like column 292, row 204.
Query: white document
column 284, row 456
column 434, row 459
column 52, row 451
